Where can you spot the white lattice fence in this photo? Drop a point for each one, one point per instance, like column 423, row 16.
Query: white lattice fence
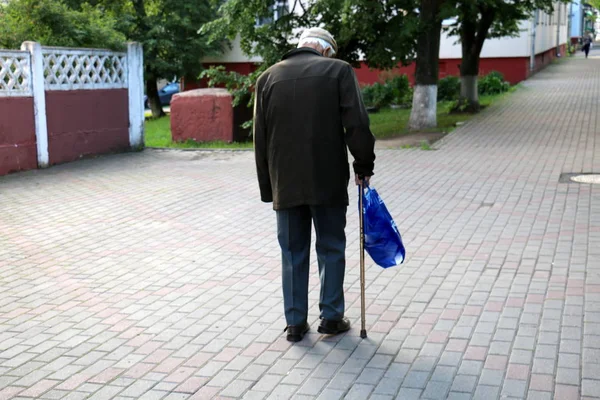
column 15, row 73
column 68, row 69
column 35, row 70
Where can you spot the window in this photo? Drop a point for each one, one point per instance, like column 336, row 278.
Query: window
column 280, row 8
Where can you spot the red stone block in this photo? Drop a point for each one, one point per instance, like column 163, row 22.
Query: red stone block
column 202, row 115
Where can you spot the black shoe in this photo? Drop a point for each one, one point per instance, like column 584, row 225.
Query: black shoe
column 329, row 327
column 295, row 333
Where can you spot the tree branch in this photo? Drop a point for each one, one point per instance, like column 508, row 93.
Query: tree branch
column 488, row 15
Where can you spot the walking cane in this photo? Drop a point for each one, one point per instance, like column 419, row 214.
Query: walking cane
column 363, row 330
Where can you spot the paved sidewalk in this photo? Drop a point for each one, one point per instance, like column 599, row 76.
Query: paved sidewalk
column 156, row 275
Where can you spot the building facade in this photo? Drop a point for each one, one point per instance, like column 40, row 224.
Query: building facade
column 542, row 39
column 583, row 18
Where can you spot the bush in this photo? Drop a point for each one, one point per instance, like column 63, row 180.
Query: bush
column 378, row 95
column 395, row 89
column 400, row 87
column 449, row 88
column 493, row 83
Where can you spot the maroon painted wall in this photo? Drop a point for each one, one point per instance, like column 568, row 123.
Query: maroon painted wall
column 244, row 68
column 86, row 122
column 545, row 58
column 514, row 69
column 17, row 135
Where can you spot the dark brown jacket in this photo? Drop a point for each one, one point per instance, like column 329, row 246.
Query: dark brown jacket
column 308, row 108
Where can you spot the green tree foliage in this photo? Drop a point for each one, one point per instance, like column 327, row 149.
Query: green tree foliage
column 431, row 15
column 167, row 29
column 478, row 20
column 53, row 23
column 448, row 88
column 381, row 31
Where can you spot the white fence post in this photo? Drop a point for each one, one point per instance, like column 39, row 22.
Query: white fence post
column 135, row 71
column 39, row 101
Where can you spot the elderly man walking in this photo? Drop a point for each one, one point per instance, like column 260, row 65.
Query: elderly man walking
column 308, row 111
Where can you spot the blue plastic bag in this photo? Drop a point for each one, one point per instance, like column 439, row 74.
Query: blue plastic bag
column 382, row 238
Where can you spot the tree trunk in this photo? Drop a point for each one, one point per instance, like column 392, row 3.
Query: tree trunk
column 469, row 93
column 424, row 107
column 153, row 99
column 474, row 30
column 424, row 111
column 469, row 71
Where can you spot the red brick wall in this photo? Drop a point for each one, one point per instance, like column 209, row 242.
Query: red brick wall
column 86, row 122
column 17, row 135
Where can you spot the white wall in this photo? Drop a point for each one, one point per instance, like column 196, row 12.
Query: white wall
column 492, row 48
column 236, row 55
column 547, row 29
column 233, row 55
column 546, row 33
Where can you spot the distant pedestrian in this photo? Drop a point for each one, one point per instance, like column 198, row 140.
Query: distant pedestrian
column 587, row 43
column 308, row 111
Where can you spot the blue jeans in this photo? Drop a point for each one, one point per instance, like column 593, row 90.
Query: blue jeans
column 294, row 231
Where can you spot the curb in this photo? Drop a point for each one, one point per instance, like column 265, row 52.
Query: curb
column 206, row 150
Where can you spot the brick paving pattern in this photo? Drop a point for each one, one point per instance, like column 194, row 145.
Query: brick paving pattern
column 156, row 275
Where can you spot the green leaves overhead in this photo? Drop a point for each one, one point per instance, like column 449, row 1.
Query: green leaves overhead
column 381, row 31
column 53, row 23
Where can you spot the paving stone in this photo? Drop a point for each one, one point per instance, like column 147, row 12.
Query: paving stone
column 424, row 364
column 490, row 377
column 312, row 386
column 328, row 394
column 450, row 358
column 123, row 277
column 536, row 395
column 251, row 395
column 464, row 383
column 514, row 388
column 459, row 396
column 543, row 383
column 267, row 383
column 568, row 376
column 409, row 394
column 443, row 374
column 381, row 397
column 436, row 390
column 380, row 361
column 397, row 371
column 566, row 392
column 388, row 386
column 468, row 367
column 566, row 360
column 500, row 348
column 359, row 391
column 524, row 343
column 546, row 351
column 283, row 392
column 342, row 381
column 415, row 379
column 486, row 392
column 590, row 387
column 521, row 357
